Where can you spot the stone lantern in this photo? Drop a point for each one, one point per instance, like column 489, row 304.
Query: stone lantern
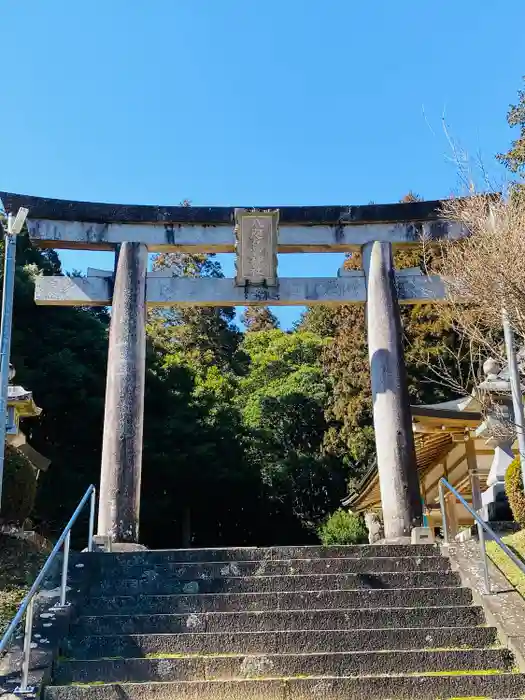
column 499, row 433
column 20, row 404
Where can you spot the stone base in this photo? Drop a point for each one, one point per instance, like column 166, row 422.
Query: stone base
column 466, row 535
column 422, row 535
column 128, row 547
column 102, row 543
column 395, row 540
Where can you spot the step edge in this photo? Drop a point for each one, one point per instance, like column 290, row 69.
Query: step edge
column 406, row 676
column 411, row 572
column 347, row 630
column 268, row 593
column 82, row 618
column 239, row 655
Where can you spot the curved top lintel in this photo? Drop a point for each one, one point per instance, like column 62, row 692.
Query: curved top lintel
column 95, row 212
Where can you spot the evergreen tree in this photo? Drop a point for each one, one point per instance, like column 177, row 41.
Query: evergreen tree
column 283, row 398
column 60, row 354
column 259, row 318
column 429, row 341
column 205, row 336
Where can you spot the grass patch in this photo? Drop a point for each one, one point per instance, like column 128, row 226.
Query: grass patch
column 516, row 542
column 20, row 562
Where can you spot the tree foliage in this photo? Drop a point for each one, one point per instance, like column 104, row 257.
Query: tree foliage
column 430, row 344
column 19, row 487
column 514, row 158
column 282, row 400
column 343, row 528
column 259, row 318
column 514, row 491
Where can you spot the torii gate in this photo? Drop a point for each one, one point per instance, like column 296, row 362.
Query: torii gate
column 256, row 235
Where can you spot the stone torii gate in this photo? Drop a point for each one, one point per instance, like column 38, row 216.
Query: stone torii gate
column 256, row 235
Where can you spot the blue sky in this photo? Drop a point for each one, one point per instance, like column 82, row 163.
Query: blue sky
column 251, row 102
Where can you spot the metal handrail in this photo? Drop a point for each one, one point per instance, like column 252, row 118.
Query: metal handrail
column 27, row 604
column 482, row 528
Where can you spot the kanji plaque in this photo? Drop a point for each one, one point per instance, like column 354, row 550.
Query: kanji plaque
column 256, row 247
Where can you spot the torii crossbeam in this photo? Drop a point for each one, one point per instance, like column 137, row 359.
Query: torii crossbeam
column 257, row 235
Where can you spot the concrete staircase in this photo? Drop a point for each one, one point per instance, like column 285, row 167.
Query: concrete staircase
column 288, row 623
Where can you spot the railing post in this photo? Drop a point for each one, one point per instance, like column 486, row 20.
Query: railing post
column 443, row 514
column 486, row 577
column 28, row 633
column 65, row 562
column 481, row 533
column 27, row 606
column 91, row 531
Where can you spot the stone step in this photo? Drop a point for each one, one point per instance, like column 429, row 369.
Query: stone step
column 196, row 667
column 311, row 600
column 285, row 567
column 406, row 687
column 430, row 638
column 261, row 584
column 108, row 560
column 453, row 616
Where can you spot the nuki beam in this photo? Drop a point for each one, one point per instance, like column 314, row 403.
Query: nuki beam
column 165, row 290
column 55, row 223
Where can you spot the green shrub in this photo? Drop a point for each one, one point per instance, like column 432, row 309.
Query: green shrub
column 19, row 487
column 343, row 527
column 514, row 491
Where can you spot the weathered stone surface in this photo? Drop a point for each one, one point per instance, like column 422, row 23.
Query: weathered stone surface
column 256, row 247
column 119, row 500
column 281, row 641
column 191, row 668
column 311, row 600
column 299, row 641
column 457, row 616
column 70, row 210
column 259, row 584
column 165, row 290
column 228, row 690
column 363, row 550
column 104, row 560
column 504, row 606
column 396, row 456
column 198, row 238
column 363, row 688
column 290, row 567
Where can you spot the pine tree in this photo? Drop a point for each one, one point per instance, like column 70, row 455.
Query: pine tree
column 259, row 318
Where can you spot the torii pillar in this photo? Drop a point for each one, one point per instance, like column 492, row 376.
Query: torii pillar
column 396, row 454
column 120, row 476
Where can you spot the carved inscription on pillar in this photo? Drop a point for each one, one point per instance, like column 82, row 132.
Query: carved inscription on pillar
column 256, row 247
